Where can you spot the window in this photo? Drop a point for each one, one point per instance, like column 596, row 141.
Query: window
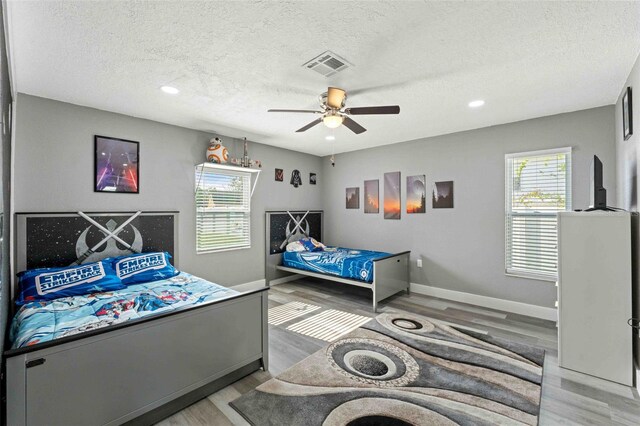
column 538, row 186
column 223, row 208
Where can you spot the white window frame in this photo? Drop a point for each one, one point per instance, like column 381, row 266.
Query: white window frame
column 509, row 214
column 249, row 177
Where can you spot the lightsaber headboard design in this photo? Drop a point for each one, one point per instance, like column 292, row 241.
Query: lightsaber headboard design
column 45, row 240
column 283, row 227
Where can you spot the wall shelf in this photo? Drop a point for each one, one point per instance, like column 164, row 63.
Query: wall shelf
column 228, row 167
column 255, row 173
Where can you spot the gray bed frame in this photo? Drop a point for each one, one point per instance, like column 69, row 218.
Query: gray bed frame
column 137, row 372
column 390, row 273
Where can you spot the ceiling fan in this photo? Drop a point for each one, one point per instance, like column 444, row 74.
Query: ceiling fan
column 334, row 114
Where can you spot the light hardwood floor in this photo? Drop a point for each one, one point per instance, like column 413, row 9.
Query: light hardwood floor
column 568, row 398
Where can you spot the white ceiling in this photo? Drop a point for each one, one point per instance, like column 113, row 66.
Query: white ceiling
column 234, row 60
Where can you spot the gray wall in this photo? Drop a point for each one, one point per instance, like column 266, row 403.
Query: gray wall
column 627, row 177
column 5, row 190
column 463, row 248
column 54, row 172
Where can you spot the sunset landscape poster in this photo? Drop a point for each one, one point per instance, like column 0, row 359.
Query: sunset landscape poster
column 442, row 197
column 353, row 198
column 371, row 196
column 392, row 195
column 416, row 194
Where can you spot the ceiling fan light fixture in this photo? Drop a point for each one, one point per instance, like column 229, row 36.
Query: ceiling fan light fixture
column 334, row 114
column 330, row 138
column 333, row 121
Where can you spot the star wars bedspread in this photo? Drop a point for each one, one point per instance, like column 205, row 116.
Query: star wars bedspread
column 38, row 322
column 343, row 262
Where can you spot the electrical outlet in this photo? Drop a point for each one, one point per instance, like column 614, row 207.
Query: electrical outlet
column 419, row 261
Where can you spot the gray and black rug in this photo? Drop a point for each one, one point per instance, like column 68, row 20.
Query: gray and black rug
column 401, row 369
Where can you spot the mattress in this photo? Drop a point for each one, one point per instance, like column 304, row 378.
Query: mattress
column 39, row 322
column 342, row 262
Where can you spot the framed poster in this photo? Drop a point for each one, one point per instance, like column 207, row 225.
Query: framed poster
column 116, row 165
column 416, row 194
column 352, row 198
column 442, row 197
column 371, row 196
column 392, row 195
column 627, row 114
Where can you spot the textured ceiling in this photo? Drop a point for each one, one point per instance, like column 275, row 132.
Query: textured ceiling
column 234, row 60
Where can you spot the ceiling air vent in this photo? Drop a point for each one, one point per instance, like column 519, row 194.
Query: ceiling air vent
column 327, row 64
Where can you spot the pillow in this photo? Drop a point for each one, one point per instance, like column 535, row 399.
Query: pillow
column 310, row 244
column 144, row 267
column 295, row 246
column 53, row 283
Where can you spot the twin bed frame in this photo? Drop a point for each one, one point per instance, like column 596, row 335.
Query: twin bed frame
column 142, row 371
column 137, row 372
column 390, row 274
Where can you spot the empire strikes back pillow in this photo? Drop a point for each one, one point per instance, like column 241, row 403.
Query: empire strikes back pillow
column 53, row 283
column 144, row 267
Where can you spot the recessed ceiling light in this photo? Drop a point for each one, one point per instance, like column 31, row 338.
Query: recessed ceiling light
column 476, row 104
column 170, row 90
column 330, row 138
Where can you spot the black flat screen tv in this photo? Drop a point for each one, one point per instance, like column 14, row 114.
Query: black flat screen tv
column 598, row 194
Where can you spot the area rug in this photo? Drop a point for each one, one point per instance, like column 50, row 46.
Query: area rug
column 401, row 369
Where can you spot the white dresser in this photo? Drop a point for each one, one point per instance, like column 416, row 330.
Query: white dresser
column 594, row 294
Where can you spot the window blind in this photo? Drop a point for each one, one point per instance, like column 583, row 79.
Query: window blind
column 223, row 210
column 538, row 186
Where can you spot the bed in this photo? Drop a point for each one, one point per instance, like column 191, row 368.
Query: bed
column 133, row 355
column 385, row 274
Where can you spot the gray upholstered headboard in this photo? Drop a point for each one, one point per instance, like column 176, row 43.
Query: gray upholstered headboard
column 45, row 240
column 284, row 226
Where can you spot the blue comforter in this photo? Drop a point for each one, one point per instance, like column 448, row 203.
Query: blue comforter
column 38, row 322
column 343, row 262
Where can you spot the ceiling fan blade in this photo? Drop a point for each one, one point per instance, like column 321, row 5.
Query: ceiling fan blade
column 353, row 126
column 335, row 97
column 310, row 125
column 389, row 109
column 295, row 110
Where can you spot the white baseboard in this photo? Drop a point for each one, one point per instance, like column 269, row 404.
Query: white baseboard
column 285, row 279
column 535, row 311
